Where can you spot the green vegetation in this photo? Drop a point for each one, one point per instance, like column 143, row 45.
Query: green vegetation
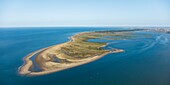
column 80, row 48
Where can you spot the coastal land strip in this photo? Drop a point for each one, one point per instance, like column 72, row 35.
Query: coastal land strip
column 79, row 50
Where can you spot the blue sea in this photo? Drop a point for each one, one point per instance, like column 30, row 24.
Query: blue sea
column 146, row 61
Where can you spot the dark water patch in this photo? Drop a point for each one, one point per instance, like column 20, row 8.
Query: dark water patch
column 35, row 67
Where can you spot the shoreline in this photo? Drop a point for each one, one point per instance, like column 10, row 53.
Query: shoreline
column 24, row 69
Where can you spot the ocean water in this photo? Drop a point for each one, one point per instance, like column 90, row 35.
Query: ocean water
column 146, row 61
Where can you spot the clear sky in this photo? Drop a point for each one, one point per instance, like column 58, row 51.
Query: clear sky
column 84, row 12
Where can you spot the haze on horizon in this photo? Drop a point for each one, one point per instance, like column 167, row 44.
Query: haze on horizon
column 86, row 12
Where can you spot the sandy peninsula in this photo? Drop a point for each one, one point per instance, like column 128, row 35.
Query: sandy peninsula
column 76, row 52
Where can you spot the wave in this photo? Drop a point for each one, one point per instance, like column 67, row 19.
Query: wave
column 162, row 39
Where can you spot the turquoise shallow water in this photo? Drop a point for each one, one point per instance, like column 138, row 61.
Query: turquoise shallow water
column 146, row 61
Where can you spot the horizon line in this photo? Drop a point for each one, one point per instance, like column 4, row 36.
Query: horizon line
column 85, row 26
